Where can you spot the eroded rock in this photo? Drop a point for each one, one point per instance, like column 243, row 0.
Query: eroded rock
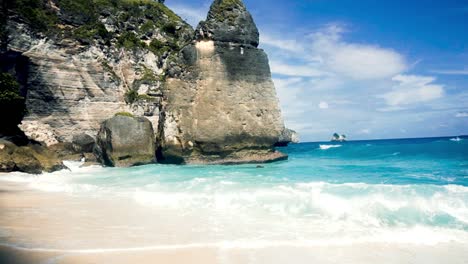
column 32, row 158
column 288, row 136
column 223, row 108
column 125, row 141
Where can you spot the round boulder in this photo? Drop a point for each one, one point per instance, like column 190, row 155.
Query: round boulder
column 125, row 141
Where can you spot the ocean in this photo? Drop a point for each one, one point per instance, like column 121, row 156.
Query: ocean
column 404, row 191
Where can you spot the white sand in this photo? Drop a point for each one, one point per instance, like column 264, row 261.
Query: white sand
column 52, row 228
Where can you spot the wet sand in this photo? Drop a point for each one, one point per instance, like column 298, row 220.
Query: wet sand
column 34, row 224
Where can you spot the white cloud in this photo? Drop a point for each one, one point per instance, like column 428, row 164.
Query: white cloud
column 295, row 70
column 461, row 114
column 451, row 72
column 349, row 76
column 365, row 131
column 356, row 61
column 413, row 89
column 289, row 45
column 365, row 62
column 190, row 14
column 326, row 53
column 323, row 105
column 289, row 90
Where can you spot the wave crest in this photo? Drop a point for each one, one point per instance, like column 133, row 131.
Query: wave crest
column 325, row 147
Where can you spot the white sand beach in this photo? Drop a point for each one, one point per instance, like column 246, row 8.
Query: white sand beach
column 36, row 224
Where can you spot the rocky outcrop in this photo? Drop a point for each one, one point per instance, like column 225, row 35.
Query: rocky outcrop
column 94, row 62
column 32, row 158
column 286, row 137
column 228, row 21
column 208, row 93
column 83, row 143
column 222, row 106
column 125, row 141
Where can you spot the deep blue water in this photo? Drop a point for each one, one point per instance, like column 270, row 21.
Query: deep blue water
column 436, row 161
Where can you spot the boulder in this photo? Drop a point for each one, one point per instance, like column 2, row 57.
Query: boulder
column 125, row 141
column 33, row 158
column 83, row 143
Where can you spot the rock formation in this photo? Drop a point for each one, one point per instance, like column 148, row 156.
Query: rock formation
column 32, row 158
column 95, row 61
column 222, row 107
column 208, row 93
column 286, row 137
column 125, row 141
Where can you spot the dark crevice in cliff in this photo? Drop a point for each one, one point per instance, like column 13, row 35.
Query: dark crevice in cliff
column 13, row 91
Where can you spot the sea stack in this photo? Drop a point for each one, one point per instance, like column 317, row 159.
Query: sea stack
column 221, row 104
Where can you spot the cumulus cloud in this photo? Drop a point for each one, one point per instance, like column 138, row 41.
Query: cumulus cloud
column 356, row 61
column 413, row 89
column 326, row 53
column 190, row 14
column 285, row 44
column 323, row 105
column 294, row 70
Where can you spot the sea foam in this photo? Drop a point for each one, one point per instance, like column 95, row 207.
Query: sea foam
column 360, row 194
column 325, row 147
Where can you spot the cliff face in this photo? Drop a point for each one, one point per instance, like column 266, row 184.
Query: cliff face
column 208, row 93
column 223, row 105
column 90, row 63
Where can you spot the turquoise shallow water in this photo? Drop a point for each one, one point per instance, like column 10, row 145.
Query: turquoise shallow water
column 403, row 191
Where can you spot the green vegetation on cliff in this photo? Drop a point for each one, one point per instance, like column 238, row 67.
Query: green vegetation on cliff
column 35, row 13
column 130, row 41
column 221, row 8
column 12, row 104
column 127, row 114
column 135, row 20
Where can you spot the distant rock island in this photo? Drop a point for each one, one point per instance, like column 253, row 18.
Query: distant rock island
column 338, row 138
column 125, row 83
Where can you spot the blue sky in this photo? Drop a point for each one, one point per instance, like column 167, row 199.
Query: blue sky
column 368, row 69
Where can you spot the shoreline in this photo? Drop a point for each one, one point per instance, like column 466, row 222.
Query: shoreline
column 367, row 253
column 33, row 228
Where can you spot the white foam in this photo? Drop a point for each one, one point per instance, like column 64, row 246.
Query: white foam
column 325, row 147
column 305, row 213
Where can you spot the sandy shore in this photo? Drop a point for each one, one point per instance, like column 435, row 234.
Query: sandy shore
column 35, row 226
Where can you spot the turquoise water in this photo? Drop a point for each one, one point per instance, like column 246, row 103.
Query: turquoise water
column 404, row 191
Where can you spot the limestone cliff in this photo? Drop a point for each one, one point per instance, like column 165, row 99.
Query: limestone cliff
column 88, row 61
column 222, row 107
column 208, row 93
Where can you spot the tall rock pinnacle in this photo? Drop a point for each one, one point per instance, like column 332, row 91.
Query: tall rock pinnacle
column 229, row 21
column 222, row 106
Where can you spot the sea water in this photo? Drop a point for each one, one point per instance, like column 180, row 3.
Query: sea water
column 411, row 191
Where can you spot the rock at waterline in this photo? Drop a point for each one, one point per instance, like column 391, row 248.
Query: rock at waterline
column 222, row 107
column 32, row 158
column 125, row 141
column 83, row 143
